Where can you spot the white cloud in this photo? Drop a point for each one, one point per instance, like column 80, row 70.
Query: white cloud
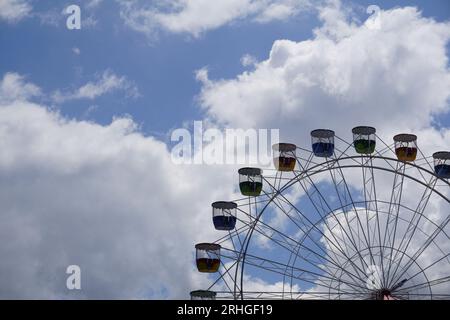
column 93, row 4
column 341, row 225
column 76, row 51
column 280, row 10
column 246, row 60
column 14, row 10
column 13, row 87
column 107, row 82
column 198, row 16
column 395, row 78
column 52, row 17
column 346, row 74
column 103, row 197
column 91, row 109
column 109, row 199
column 89, row 22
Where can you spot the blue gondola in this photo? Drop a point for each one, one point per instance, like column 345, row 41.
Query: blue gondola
column 224, row 215
column 442, row 164
column 322, row 142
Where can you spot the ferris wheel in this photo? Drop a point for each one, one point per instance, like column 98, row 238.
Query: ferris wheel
column 363, row 219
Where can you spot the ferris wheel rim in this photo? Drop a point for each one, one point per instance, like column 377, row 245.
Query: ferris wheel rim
column 244, row 248
column 300, row 242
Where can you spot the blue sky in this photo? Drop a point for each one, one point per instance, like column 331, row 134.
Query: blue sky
column 162, row 69
column 99, row 196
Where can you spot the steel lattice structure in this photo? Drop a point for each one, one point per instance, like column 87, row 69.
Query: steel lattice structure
column 370, row 225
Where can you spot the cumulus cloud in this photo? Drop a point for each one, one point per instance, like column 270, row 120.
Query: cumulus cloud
column 189, row 16
column 105, row 83
column 105, row 198
column 14, row 87
column 280, row 10
column 394, row 77
column 416, row 270
column 109, row 199
column 246, row 60
column 14, row 10
column 93, row 4
column 346, row 74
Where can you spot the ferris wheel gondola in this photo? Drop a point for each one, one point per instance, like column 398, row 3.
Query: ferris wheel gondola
column 338, row 220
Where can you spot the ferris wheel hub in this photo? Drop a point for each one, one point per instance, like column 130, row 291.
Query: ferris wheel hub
column 383, row 294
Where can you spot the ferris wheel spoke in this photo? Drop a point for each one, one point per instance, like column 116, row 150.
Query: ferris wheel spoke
column 293, row 219
column 344, row 154
column 392, row 218
column 243, row 201
column 244, row 228
column 340, row 290
column 345, row 197
column 314, row 226
column 307, row 160
column 337, row 290
column 422, row 248
column 426, row 284
column 383, row 152
column 370, row 198
column 222, row 277
column 410, row 177
column 276, row 188
column 303, row 220
column 223, row 274
column 369, row 192
column 320, row 203
column 430, row 165
column 230, row 234
column 393, row 215
column 436, row 296
column 420, row 173
column 279, row 294
column 279, row 268
column 287, row 242
column 262, row 230
column 413, row 224
column 388, row 148
column 422, row 270
column 322, row 257
column 235, row 233
column 338, row 257
column 279, row 201
column 327, row 269
column 240, row 230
